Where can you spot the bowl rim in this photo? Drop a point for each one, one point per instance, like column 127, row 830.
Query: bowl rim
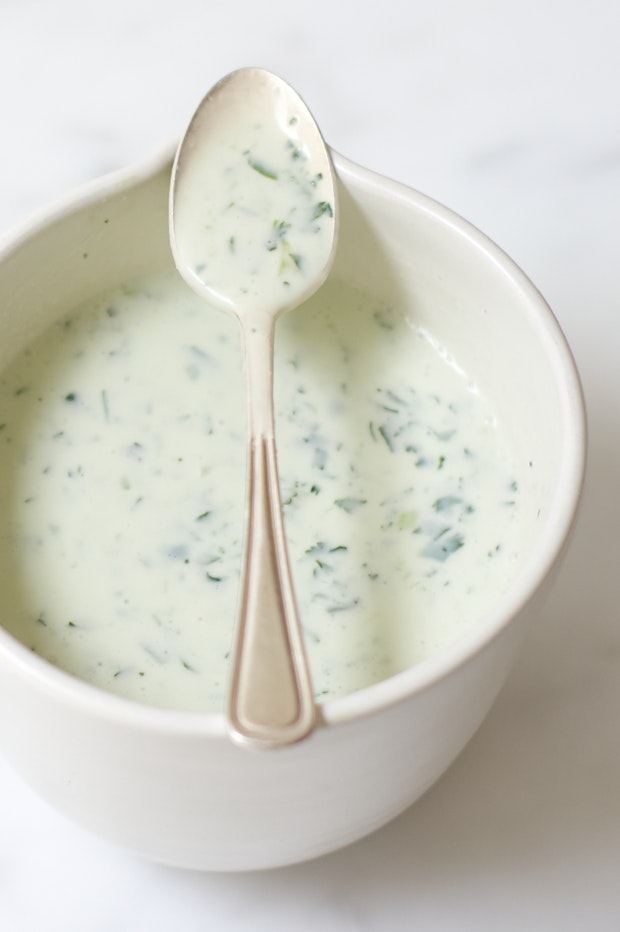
column 401, row 686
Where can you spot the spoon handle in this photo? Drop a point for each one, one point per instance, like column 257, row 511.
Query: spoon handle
column 270, row 699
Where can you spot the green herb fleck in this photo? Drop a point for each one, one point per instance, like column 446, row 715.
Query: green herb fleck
column 446, row 503
column 394, row 397
column 154, row 654
column 278, row 233
column 319, row 460
column 388, row 440
column 350, row 505
column 296, row 152
column 342, row 607
column 383, row 320
column 262, row 169
column 406, row 521
column 322, row 209
column 442, row 547
column 323, row 566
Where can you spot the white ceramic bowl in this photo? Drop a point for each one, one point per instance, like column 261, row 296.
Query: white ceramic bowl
column 170, row 785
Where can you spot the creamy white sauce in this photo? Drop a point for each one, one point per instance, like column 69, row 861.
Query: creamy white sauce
column 122, row 484
column 253, row 216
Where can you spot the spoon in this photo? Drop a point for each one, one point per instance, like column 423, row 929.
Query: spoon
column 253, row 229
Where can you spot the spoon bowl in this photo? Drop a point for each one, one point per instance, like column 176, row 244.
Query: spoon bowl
column 253, row 230
column 253, row 197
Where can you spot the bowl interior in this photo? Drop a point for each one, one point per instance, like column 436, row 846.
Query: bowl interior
column 399, row 246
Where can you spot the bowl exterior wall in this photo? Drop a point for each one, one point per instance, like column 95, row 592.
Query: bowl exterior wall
column 195, row 801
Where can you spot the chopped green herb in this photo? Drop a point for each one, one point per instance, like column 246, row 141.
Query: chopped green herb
column 446, row 503
column 322, row 209
column 279, row 230
column 343, row 607
column 295, row 151
column 158, row 656
column 350, row 505
column 388, row 440
column 407, row 521
column 395, row 398
column 443, row 547
column 383, row 319
column 262, row 169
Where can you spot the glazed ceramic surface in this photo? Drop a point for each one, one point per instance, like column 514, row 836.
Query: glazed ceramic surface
column 170, row 785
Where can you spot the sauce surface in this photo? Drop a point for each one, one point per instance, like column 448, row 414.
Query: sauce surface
column 122, row 485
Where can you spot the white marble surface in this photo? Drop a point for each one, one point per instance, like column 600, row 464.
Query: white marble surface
column 508, row 113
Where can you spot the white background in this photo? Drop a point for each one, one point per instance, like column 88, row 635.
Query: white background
column 509, row 113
